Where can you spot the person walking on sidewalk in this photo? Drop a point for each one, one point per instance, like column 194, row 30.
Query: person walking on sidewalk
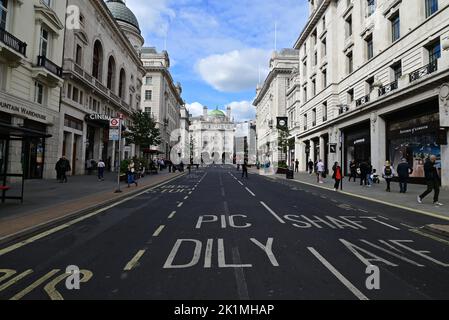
column 320, row 169
column 364, row 168
column 432, row 180
column 101, row 165
column 404, row 171
column 130, row 173
column 296, row 165
column 353, row 170
column 337, row 176
column 388, row 174
column 310, row 165
column 61, row 167
column 245, row 169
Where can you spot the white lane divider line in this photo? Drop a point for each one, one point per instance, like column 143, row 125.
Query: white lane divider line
column 240, row 182
column 385, row 218
column 172, row 214
column 186, row 197
column 158, row 230
column 250, row 192
column 190, row 192
column 361, row 210
column 133, row 262
column 180, row 204
column 272, row 212
column 407, row 226
column 338, row 275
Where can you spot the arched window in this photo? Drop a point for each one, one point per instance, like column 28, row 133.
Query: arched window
column 121, row 84
column 97, row 62
column 111, row 74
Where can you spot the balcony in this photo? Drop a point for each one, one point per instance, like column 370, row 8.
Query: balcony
column 362, row 101
column 42, row 61
column 423, row 71
column 12, row 49
column 386, row 89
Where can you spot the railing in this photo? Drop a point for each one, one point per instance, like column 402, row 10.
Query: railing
column 78, row 69
column 13, row 42
column 424, row 71
column 42, row 61
column 100, row 86
column 362, row 101
column 388, row 88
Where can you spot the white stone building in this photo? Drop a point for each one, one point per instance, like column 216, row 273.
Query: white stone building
column 102, row 72
column 271, row 102
column 212, row 136
column 31, row 55
column 371, row 83
column 161, row 97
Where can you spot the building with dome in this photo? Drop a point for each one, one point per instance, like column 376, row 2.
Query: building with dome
column 212, row 136
column 102, row 74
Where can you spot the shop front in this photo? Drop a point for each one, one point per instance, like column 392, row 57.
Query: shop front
column 357, row 145
column 415, row 137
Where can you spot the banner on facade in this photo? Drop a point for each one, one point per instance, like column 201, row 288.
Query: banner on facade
column 282, row 123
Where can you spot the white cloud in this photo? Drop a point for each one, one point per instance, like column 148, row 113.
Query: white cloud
column 153, row 18
column 234, row 71
column 195, row 108
column 242, row 111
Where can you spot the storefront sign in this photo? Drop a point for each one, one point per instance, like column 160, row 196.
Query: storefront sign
column 22, row 110
column 98, row 117
column 414, row 130
column 359, row 141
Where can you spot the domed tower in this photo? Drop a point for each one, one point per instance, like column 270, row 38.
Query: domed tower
column 127, row 22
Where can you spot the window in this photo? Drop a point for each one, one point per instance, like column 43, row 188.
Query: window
column 81, row 100
column 323, row 22
column 434, row 52
column 148, row 95
column 350, row 96
column 3, row 13
column 97, row 60
column 349, row 27
column 305, row 94
column 305, row 69
column 38, row 92
column 305, row 121
column 3, row 71
column 397, row 71
column 111, row 73
column 75, row 94
column 324, row 73
column 369, row 84
column 324, row 47
column 121, row 84
column 148, row 81
column 431, row 7
column 44, row 40
column 350, row 62
column 369, row 47
column 69, row 91
column 314, row 117
column 395, row 28
column 313, row 87
column 371, row 7
column 79, row 55
column 315, row 58
column 46, row 2
column 324, row 108
column 130, row 100
column 148, row 110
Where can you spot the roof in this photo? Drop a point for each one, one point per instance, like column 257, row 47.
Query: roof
column 217, row 113
column 122, row 13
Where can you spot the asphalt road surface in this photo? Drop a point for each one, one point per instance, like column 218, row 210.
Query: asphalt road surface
column 215, row 235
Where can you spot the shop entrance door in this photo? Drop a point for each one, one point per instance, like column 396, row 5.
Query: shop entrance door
column 33, row 158
column 3, row 146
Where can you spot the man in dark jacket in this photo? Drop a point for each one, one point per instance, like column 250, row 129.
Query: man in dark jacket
column 404, row 171
column 61, row 167
column 432, row 180
column 364, row 169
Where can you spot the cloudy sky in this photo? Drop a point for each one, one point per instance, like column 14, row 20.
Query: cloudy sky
column 219, row 49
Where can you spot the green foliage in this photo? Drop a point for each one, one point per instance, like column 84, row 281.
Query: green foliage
column 143, row 131
column 282, row 164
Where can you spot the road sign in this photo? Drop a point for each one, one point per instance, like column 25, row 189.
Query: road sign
column 114, row 134
column 114, row 123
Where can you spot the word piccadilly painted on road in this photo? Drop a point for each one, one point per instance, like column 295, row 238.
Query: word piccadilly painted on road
column 196, row 253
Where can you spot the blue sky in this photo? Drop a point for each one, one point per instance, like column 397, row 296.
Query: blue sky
column 218, row 48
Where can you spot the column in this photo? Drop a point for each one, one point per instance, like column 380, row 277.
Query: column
column 378, row 142
column 312, row 151
column 445, row 164
column 300, row 153
column 322, row 148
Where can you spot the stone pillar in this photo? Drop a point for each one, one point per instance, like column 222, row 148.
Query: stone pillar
column 444, row 123
column 97, row 144
column 69, row 149
column 300, row 153
column 312, row 151
column 378, row 142
column 322, row 149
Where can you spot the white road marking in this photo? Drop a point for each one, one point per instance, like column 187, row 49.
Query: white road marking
column 385, row 218
column 338, row 275
column 180, row 204
column 250, row 192
column 15, row 279
column 365, row 211
column 407, row 226
column 132, row 263
column 240, row 183
column 158, row 230
column 272, row 212
column 35, row 284
column 186, row 197
column 190, row 192
column 172, row 214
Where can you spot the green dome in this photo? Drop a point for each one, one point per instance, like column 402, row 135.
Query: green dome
column 122, row 13
column 217, row 113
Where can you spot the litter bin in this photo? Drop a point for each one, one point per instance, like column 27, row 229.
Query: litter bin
column 290, row 174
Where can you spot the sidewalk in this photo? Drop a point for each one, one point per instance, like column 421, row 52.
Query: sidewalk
column 48, row 201
column 377, row 192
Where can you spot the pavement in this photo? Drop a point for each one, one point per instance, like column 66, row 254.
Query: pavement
column 212, row 235
column 48, row 201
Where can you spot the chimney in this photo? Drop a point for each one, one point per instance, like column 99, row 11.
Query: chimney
column 228, row 112
column 204, row 111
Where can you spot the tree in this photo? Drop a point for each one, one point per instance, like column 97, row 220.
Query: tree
column 284, row 143
column 143, row 131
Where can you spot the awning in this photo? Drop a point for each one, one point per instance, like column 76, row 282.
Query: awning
column 12, row 131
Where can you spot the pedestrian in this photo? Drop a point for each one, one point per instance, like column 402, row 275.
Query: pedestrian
column 369, row 172
column 245, row 169
column 353, row 170
column 363, row 173
column 101, row 165
column 337, row 176
column 310, row 166
column 388, row 174
column 320, row 169
column 61, row 167
column 404, row 171
column 432, row 180
column 130, row 173
column 296, row 165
